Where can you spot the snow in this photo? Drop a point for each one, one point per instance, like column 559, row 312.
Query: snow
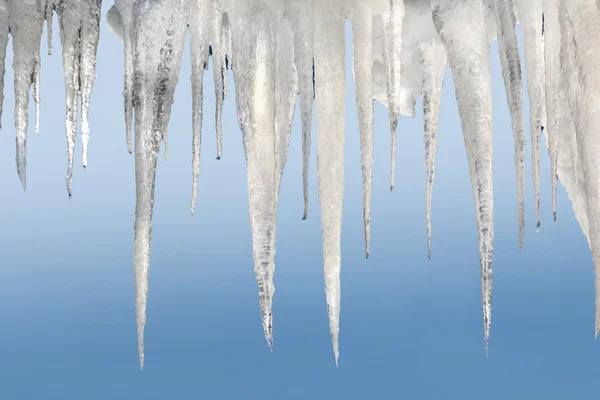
column 284, row 52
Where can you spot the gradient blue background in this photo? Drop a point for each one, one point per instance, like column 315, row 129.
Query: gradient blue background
column 410, row 327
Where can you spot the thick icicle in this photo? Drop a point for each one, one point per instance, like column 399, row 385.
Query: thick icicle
column 26, row 20
column 433, row 60
column 254, row 41
column 392, row 25
column 303, row 49
column 79, row 23
column 330, row 100
column 530, row 18
column 581, row 22
column 3, row 44
column 511, row 71
column 362, row 24
column 469, row 60
column 553, row 78
column 157, row 41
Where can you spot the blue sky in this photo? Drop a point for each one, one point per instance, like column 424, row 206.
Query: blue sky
column 410, row 327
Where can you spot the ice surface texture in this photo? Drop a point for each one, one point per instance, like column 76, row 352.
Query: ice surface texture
column 284, row 52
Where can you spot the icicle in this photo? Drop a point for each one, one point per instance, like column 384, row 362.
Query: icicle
column 157, row 41
column 286, row 95
column 552, row 54
column 530, row 18
column 303, row 48
column 392, row 25
column 433, row 62
column 48, row 16
column 4, row 16
column 255, row 86
column 90, row 34
column 362, row 24
column 26, row 21
column 469, row 60
column 580, row 24
column 199, row 50
column 511, row 70
column 120, row 20
column 330, row 100
column 219, row 70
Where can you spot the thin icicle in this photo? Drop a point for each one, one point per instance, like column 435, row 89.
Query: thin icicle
column 433, row 62
column 4, row 16
column 530, row 18
column 303, row 49
column 48, row 17
column 219, row 70
column 157, row 41
column 470, row 64
column 90, row 34
column 553, row 78
column 26, row 21
column 392, row 35
column 362, row 24
column 330, row 100
column 199, row 51
column 511, row 71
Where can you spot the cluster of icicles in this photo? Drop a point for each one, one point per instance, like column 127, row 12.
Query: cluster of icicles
column 279, row 49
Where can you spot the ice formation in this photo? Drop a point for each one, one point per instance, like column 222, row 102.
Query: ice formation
column 282, row 50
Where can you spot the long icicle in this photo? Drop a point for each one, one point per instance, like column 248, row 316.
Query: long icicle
column 196, row 11
column 362, row 24
column 433, row 62
column 466, row 18
column 513, row 82
column 330, row 99
column 157, row 46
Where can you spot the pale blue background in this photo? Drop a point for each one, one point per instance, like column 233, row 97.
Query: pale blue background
column 410, row 327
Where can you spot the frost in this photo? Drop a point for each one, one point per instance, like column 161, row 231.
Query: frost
column 284, row 52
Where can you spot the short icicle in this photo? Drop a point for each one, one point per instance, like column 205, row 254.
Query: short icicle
column 26, row 21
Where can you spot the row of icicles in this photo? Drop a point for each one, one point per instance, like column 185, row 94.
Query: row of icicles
column 282, row 49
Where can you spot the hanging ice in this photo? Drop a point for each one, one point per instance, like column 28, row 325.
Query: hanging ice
column 281, row 49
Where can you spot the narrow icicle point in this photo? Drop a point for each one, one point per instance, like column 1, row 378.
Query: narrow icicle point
column 157, row 41
column 433, row 61
column 552, row 78
column 362, row 25
column 4, row 19
column 303, row 55
column 330, row 102
column 196, row 11
column 26, row 20
column 530, row 18
column 580, row 25
column 511, row 71
column 254, row 48
column 392, row 36
column 470, row 64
